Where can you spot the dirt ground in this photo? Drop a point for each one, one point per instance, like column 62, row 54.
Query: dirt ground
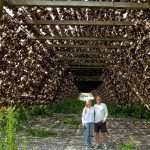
column 70, row 134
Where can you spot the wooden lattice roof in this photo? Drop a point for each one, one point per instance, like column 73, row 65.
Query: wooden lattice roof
column 87, row 38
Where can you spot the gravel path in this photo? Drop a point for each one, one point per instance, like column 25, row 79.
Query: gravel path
column 70, row 136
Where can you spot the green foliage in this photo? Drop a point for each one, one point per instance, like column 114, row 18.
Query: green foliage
column 8, row 139
column 134, row 111
column 8, row 130
column 71, row 122
column 130, row 145
column 41, row 133
column 67, row 107
column 12, row 119
column 1, row 131
column 11, row 130
column 114, row 110
column 37, row 110
column 22, row 115
column 75, row 107
column 137, row 111
column 24, row 143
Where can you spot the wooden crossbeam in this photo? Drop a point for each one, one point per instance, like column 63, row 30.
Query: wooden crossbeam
column 86, row 67
column 93, row 71
column 87, row 46
column 87, row 53
column 85, row 72
column 79, row 38
column 79, row 58
column 87, row 78
column 73, row 22
column 100, row 64
column 79, row 4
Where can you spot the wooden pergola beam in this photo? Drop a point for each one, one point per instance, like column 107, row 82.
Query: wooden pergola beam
column 81, row 58
column 87, row 78
column 86, row 67
column 87, row 46
column 79, row 4
column 73, row 22
column 86, row 53
column 79, row 38
column 100, row 64
column 87, row 73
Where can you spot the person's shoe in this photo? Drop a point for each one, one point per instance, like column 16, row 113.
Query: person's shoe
column 105, row 146
column 87, row 148
column 96, row 146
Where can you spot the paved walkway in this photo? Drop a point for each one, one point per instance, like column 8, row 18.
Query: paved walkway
column 70, row 136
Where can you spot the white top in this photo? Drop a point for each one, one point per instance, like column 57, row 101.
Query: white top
column 101, row 112
column 88, row 115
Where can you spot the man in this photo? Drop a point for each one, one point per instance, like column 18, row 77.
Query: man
column 100, row 117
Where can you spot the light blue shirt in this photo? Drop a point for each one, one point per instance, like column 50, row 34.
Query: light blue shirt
column 88, row 115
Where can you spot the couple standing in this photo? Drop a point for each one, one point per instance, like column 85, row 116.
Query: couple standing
column 95, row 116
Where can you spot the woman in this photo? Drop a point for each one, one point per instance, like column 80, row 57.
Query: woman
column 87, row 122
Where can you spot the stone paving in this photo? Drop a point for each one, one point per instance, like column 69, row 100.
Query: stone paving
column 70, row 136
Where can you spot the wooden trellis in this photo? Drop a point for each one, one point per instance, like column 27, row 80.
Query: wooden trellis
column 84, row 4
column 80, row 53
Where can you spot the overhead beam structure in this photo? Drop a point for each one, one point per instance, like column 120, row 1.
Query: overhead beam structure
column 83, row 59
column 86, row 72
column 73, row 22
column 79, row 38
column 88, row 78
column 86, row 67
column 87, row 53
column 100, row 64
column 80, row 4
column 87, row 46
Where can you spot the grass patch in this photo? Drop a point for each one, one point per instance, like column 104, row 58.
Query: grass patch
column 70, row 116
column 67, row 107
column 41, row 133
column 134, row 111
column 129, row 145
column 71, row 122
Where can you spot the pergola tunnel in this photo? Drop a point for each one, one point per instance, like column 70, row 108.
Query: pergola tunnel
column 53, row 50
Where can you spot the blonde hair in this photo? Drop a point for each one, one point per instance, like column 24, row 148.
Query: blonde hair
column 87, row 101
